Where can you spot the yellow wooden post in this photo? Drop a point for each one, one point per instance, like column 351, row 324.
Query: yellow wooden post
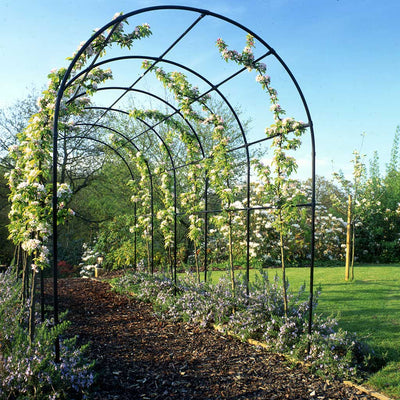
column 348, row 241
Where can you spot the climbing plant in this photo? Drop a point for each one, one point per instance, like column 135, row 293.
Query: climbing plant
column 285, row 134
column 191, row 196
column 218, row 164
column 159, row 200
column 29, row 182
column 142, row 197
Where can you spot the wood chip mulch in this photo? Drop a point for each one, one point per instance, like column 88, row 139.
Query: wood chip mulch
column 140, row 357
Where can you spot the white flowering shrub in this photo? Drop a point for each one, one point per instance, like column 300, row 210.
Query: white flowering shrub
column 89, row 261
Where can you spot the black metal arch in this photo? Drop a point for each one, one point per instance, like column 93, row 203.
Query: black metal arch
column 173, row 169
column 184, row 67
column 108, row 146
column 128, row 140
column 200, row 15
column 156, row 97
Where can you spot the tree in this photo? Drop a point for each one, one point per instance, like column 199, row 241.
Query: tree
column 375, row 209
column 354, row 190
column 13, row 119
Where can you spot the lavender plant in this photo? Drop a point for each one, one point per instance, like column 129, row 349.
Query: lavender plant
column 260, row 315
column 28, row 369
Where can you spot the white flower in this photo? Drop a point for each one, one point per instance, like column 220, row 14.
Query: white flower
column 275, row 107
column 34, row 268
column 39, row 187
column 13, row 149
column 30, row 245
column 23, row 185
column 64, row 188
column 237, row 204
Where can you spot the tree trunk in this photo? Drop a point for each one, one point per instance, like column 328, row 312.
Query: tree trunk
column 32, row 307
column 285, row 301
column 232, row 270
column 196, row 260
column 25, row 277
column 17, row 261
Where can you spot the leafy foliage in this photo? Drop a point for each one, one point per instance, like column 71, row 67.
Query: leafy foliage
column 28, row 369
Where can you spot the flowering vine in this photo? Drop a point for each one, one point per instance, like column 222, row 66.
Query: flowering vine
column 219, row 163
column 167, row 214
column 30, row 189
column 277, row 178
column 191, row 200
column 142, row 198
column 221, row 172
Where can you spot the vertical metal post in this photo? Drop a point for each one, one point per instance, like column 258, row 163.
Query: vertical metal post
column 248, row 226
column 152, row 225
column 55, row 228
column 41, row 296
column 205, row 227
column 313, row 203
column 175, row 230
column 135, row 237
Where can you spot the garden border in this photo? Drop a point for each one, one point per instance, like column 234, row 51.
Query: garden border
column 257, row 343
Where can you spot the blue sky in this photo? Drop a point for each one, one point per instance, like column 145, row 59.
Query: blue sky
column 344, row 54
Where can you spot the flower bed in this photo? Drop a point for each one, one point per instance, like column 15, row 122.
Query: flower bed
column 27, row 368
column 259, row 315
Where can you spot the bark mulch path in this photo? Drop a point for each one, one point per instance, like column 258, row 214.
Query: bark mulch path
column 140, row 357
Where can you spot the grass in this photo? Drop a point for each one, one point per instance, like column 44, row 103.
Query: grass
column 368, row 306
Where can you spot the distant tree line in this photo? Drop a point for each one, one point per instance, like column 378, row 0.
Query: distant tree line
column 104, row 212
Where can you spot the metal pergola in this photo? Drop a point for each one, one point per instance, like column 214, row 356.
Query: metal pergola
column 213, row 87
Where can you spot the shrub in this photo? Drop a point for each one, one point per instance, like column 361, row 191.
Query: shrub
column 89, row 261
column 66, row 270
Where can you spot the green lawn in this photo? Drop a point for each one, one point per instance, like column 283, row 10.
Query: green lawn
column 368, row 306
